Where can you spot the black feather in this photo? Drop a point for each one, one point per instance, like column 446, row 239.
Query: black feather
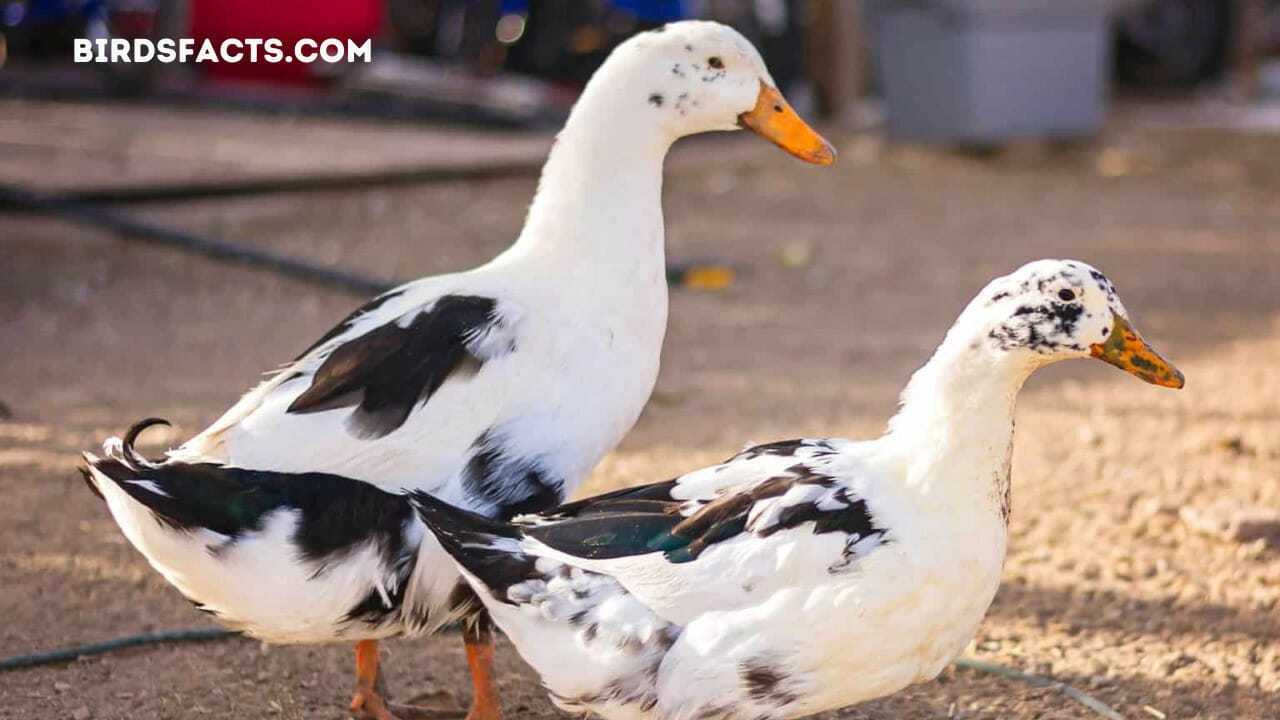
column 470, row 539
column 646, row 519
column 505, row 483
column 389, row 370
column 349, row 321
column 335, row 513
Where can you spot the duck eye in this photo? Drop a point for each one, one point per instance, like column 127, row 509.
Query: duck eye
column 716, row 63
column 1066, row 295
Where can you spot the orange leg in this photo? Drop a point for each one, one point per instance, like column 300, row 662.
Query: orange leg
column 479, row 641
column 368, row 702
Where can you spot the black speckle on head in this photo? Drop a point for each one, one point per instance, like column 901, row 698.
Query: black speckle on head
column 656, row 99
column 1040, row 328
column 688, row 48
column 998, row 297
column 677, row 70
column 659, row 29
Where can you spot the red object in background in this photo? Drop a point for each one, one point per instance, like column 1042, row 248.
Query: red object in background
column 287, row 20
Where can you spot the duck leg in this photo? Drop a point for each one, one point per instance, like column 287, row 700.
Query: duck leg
column 370, row 700
column 368, row 703
column 478, row 636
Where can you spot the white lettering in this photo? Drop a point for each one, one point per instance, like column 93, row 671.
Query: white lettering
column 82, row 50
column 119, row 50
column 363, row 51
column 207, row 53
column 232, row 50
column 305, row 56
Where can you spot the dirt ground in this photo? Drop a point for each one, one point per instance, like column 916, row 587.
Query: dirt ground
column 1105, row 587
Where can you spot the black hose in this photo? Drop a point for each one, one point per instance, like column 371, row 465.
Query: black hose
column 127, row 228
column 77, row 651
column 137, row 230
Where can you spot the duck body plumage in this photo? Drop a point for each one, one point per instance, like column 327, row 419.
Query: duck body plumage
column 803, row 575
column 497, row 389
column 786, row 580
column 459, row 392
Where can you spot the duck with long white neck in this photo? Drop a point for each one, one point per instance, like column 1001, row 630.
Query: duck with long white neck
column 496, row 389
column 802, row 575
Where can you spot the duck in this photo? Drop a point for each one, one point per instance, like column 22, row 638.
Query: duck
column 497, row 389
column 802, row 575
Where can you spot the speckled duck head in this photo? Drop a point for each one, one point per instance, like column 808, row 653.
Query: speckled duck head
column 698, row 76
column 1052, row 310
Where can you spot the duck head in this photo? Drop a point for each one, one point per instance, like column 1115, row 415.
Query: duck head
column 1052, row 310
column 699, row 76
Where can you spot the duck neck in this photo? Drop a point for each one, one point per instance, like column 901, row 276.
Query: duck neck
column 599, row 199
column 955, row 425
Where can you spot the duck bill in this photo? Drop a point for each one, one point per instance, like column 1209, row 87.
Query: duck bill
column 1126, row 349
column 774, row 120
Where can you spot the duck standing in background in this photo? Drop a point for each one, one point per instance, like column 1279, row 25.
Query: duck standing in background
column 496, row 389
column 803, row 575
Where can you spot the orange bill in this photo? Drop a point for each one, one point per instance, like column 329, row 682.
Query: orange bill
column 1126, row 349
column 774, row 120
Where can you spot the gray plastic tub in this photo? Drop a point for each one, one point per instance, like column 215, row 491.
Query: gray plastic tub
column 984, row 71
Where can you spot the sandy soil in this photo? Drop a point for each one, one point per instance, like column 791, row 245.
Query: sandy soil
column 1105, row 588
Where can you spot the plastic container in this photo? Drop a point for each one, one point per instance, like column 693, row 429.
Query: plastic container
column 985, row 71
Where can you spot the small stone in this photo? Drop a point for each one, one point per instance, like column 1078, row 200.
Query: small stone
column 796, row 254
column 81, row 713
column 1089, row 435
column 62, row 686
column 1235, row 445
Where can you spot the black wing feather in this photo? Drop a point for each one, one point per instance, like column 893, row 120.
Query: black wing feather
column 646, row 519
column 385, row 373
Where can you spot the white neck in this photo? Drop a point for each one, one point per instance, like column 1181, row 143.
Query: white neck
column 954, row 430
column 600, row 196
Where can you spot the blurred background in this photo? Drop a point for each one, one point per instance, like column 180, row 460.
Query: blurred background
column 168, row 232
column 520, row 61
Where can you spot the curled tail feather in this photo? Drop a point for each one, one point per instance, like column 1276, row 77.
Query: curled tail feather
column 121, row 451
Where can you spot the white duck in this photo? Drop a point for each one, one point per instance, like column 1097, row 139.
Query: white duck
column 803, row 575
column 496, row 389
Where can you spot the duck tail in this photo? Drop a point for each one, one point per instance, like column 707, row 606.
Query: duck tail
column 488, row 550
column 124, row 466
column 120, row 463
